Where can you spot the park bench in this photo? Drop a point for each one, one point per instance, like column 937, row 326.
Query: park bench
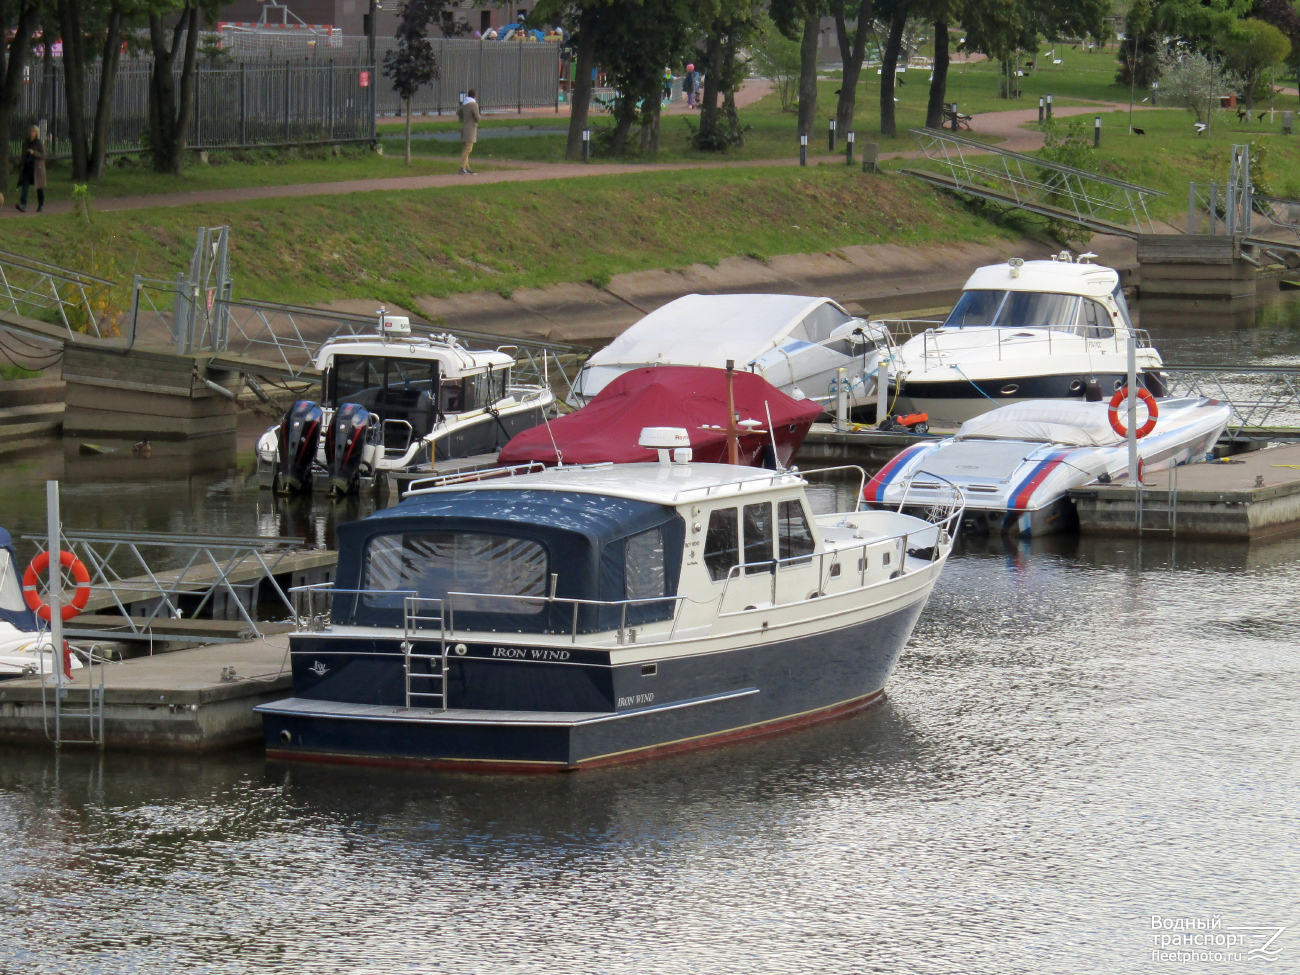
column 956, row 120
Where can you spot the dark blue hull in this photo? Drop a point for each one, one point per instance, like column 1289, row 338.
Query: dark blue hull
column 508, row 710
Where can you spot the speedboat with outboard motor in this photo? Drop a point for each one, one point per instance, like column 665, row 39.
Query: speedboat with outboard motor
column 395, row 403
column 795, row 342
column 582, row 616
column 26, row 649
column 1016, row 465
column 1023, row 330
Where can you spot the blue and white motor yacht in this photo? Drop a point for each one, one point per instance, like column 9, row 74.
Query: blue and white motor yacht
column 572, row 617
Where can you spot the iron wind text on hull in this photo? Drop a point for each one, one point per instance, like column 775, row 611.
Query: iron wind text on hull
column 392, row 403
column 582, row 616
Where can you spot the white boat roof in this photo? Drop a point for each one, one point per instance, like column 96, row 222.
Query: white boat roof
column 707, row 330
column 444, row 349
column 668, row 484
column 1057, row 277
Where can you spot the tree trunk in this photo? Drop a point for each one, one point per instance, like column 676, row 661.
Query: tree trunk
column 104, row 105
column 939, row 83
column 712, row 74
column 74, row 78
column 624, row 115
column 888, row 66
column 808, row 76
column 580, row 97
column 170, row 110
column 185, row 109
column 851, row 56
column 12, row 84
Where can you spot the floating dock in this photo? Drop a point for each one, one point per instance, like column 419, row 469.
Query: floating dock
column 185, row 701
column 1246, row 496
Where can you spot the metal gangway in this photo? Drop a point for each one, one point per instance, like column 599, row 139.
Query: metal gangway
column 1265, row 400
column 71, row 304
column 140, row 581
column 1049, row 189
column 1232, row 208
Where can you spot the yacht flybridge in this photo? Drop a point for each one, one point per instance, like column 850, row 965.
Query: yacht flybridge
column 579, row 616
column 392, row 403
column 1056, row 329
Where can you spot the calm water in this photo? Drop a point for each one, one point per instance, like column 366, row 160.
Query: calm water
column 1082, row 734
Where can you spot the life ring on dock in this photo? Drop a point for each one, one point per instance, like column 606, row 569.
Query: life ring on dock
column 1117, row 424
column 31, row 582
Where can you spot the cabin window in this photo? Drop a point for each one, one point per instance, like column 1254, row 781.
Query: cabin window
column 1122, row 304
column 1013, row 309
column 451, row 397
column 975, row 308
column 484, row 389
column 643, row 565
column 722, row 543
column 1094, row 320
column 758, row 537
column 818, row 324
column 796, row 539
column 433, row 564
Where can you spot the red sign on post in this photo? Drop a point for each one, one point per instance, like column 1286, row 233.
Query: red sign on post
column 365, row 79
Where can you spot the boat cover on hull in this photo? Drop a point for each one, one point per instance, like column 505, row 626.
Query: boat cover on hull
column 12, row 608
column 607, row 428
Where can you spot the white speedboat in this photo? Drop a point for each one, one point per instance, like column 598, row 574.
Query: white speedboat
column 1024, row 330
column 582, row 616
column 797, row 343
column 25, row 649
column 1016, row 465
column 396, row 403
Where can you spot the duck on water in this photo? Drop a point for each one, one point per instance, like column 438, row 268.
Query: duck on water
column 570, row 617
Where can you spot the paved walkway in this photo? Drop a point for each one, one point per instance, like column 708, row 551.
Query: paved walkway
column 1003, row 125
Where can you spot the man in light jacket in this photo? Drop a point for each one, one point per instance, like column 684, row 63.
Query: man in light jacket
column 469, row 116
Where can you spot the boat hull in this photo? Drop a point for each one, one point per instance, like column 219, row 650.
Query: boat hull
column 955, row 402
column 689, row 702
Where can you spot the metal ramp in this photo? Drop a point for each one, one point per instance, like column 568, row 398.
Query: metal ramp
column 1265, row 400
column 70, row 305
column 1232, row 208
column 1049, row 189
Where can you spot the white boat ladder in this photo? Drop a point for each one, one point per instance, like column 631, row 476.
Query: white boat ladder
column 424, row 657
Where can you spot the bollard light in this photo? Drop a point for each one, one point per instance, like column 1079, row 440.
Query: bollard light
column 1049, row 106
column 848, row 148
column 830, row 134
column 803, row 150
column 586, row 145
column 1041, row 103
column 1096, row 132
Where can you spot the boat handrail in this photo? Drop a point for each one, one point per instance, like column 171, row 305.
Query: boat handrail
column 769, row 481
column 862, row 474
column 463, row 477
column 310, row 621
column 958, row 503
column 945, row 529
column 1118, row 338
column 574, row 602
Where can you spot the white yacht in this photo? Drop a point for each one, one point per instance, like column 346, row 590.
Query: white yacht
column 1016, row 465
column 582, row 616
column 797, row 343
column 25, row 648
column 1055, row 329
column 395, row 403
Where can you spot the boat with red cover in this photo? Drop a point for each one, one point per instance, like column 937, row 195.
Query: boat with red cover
column 690, row 397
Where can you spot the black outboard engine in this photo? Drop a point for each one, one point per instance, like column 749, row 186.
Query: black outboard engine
column 299, row 436
column 345, row 444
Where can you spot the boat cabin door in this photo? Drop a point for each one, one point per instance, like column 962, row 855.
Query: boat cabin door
column 402, row 392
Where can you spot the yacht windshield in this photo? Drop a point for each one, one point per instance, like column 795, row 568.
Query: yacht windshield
column 1013, row 309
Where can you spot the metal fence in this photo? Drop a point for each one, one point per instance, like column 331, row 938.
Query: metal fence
column 325, row 94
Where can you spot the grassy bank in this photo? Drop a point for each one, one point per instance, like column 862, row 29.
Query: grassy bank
column 397, row 246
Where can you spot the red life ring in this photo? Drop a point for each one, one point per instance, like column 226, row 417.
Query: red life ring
column 1117, row 424
column 31, row 580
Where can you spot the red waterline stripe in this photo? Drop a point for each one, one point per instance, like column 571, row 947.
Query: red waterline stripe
column 881, row 480
column 1036, row 477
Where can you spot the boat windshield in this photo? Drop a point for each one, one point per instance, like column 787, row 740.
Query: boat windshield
column 434, row 563
column 1014, row 309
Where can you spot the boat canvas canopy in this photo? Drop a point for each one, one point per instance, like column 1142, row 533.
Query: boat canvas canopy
column 12, row 607
column 608, row 428
column 508, row 543
column 707, row 330
column 1066, row 422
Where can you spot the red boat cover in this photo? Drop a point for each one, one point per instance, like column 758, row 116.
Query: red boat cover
column 692, row 397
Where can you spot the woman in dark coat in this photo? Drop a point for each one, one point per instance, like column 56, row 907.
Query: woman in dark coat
column 31, row 170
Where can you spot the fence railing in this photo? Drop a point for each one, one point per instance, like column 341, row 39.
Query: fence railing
column 329, row 96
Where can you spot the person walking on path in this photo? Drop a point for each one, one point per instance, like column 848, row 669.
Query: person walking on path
column 689, row 84
column 469, row 116
column 31, row 170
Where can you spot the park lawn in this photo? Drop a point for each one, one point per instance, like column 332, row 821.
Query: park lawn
column 132, row 178
column 397, row 246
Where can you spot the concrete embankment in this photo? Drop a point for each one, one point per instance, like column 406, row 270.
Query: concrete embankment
column 881, row 280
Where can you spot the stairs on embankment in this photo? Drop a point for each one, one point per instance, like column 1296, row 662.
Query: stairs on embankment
column 31, row 410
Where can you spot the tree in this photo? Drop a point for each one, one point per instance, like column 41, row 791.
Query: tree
column 777, row 58
column 898, row 11
column 108, row 63
column 1139, row 52
column 733, row 26
column 20, row 18
column 939, row 76
column 853, row 50
column 1190, row 80
column 1250, row 50
column 800, row 20
column 1285, row 16
column 170, row 109
column 412, row 65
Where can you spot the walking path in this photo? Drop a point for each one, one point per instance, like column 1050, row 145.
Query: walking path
column 1003, row 125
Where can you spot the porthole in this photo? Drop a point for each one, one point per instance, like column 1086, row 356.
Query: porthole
column 862, row 565
column 1076, row 386
column 835, row 571
column 649, row 670
column 1010, row 389
column 884, row 559
column 1119, row 384
column 286, row 737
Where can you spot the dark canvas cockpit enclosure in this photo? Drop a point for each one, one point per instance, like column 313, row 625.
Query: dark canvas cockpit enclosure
column 506, row 545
